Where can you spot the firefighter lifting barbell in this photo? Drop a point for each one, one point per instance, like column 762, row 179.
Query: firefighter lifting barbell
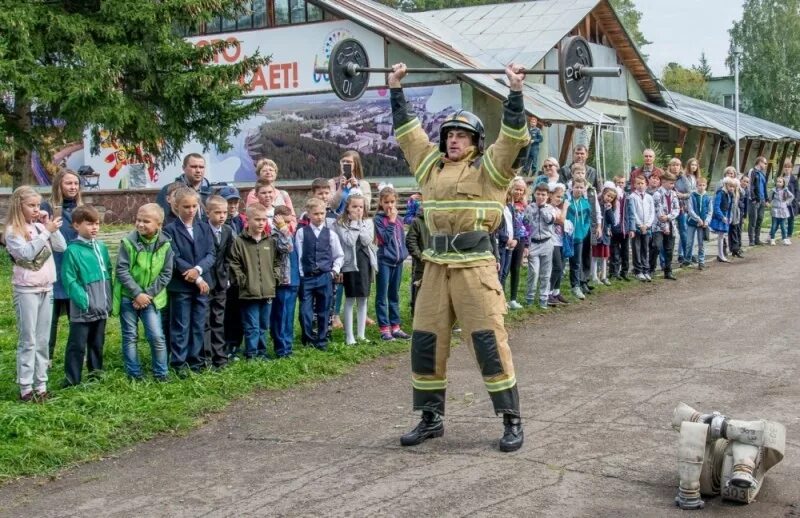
column 349, row 70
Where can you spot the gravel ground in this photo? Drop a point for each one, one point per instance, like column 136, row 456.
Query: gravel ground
column 597, row 399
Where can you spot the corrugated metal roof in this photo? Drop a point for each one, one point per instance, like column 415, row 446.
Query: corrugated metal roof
column 449, row 49
column 520, row 32
column 717, row 119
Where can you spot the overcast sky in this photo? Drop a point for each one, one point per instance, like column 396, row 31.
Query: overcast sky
column 681, row 29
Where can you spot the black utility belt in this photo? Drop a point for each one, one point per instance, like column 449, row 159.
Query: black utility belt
column 476, row 241
column 540, row 241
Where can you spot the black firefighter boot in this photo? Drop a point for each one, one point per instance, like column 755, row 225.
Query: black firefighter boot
column 513, row 436
column 430, row 426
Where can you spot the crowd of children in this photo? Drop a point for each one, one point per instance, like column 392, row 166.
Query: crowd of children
column 629, row 226
column 210, row 283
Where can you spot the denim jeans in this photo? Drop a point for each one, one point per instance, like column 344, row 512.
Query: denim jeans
column 387, row 297
column 778, row 223
column 576, row 264
column 505, row 265
column 684, row 245
column 255, row 321
column 282, row 320
column 129, row 325
column 701, row 253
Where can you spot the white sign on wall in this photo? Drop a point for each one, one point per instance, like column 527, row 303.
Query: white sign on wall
column 295, row 50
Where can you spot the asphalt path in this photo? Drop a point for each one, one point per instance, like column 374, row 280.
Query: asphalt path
column 598, row 383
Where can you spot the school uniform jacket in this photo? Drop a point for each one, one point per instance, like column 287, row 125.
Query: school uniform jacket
column 190, row 252
column 220, row 272
column 699, row 207
column 641, row 211
column 666, row 204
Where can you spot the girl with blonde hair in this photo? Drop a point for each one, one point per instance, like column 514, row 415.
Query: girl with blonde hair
column 31, row 238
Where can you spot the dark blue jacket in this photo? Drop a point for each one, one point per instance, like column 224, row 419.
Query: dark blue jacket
column 391, row 240
column 70, row 235
column 190, row 252
column 758, row 185
column 723, row 203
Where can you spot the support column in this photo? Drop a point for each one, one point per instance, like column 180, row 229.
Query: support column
column 746, row 155
column 714, row 155
column 566, row 145
column 698, row 154
column 681, row 141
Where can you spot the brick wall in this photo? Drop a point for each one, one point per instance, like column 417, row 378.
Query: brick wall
column 120, row 206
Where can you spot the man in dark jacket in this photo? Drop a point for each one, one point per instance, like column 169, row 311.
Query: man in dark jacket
column 417, row 240
column 194, row 176
column 758, row 200
column 579, row 155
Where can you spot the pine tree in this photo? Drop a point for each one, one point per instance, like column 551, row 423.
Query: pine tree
column 703, row 68
column 67, row 66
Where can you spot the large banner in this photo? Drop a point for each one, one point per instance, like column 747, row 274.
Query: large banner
column 296, row 50
column 305, row 135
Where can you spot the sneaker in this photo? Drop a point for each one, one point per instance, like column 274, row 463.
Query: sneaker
column 552, row 300
column 401, row 335
column 701, row 266
column 647, row 277
column 387, row 336
column 772, row 242
column 40, row 396
column 530, row 302
column 586, row 289
column 624, row 277
column 641, row 277
column 578, row 293
column 606, row 282
column 26, row 397
column 514, row 305
column 561, row 299
column 787, row 241
column 543, row 304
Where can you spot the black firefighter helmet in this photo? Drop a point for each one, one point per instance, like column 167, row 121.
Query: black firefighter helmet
column 465, row 120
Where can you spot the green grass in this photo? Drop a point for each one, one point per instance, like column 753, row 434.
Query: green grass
column 99, row 417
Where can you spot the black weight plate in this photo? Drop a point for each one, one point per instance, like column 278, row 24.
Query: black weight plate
column 347, row 86
column 574, row 87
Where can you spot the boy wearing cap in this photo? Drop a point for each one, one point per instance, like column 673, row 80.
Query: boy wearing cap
column 235, row 219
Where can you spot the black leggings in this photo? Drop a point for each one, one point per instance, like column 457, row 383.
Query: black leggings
column 60, row 307
column 558, row 269
column 516, row 264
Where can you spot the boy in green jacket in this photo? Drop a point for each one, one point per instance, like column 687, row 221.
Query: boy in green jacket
column 144, row 268
column 253, row 259
column 86, row 272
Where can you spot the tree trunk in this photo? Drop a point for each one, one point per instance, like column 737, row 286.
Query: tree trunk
column 21, row 172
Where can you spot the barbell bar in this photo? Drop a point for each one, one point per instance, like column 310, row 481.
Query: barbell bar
column 348, row 70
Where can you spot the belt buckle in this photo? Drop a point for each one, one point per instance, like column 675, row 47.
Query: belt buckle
column 440, row 243
column 453, row 246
